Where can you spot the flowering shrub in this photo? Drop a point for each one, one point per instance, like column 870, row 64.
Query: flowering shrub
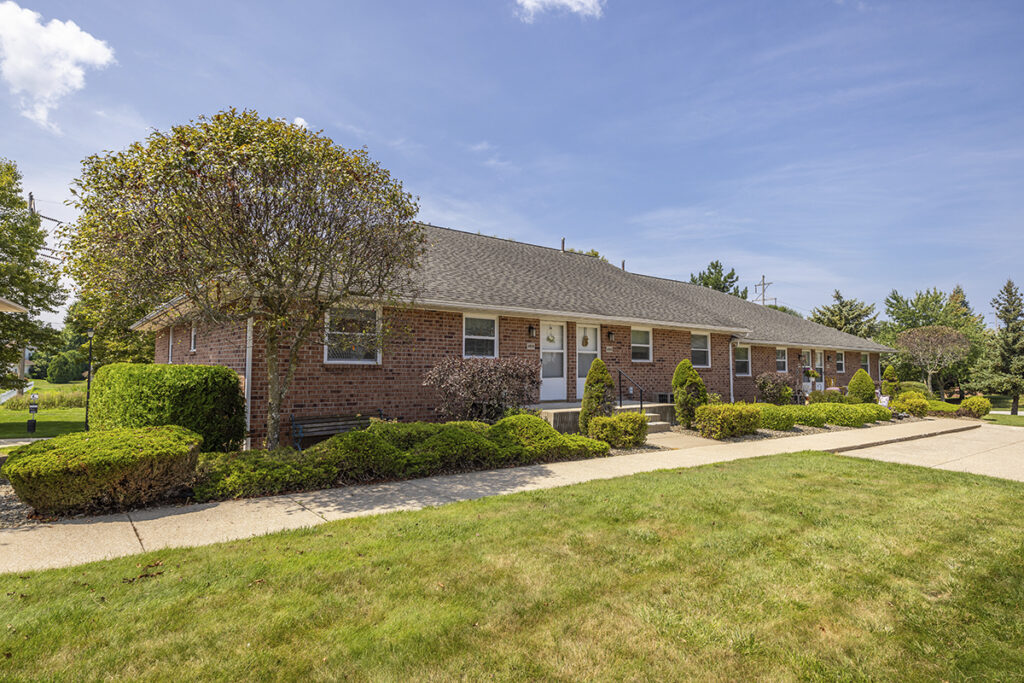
column 482, row 388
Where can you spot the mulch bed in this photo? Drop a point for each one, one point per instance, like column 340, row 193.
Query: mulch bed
column 799, row 430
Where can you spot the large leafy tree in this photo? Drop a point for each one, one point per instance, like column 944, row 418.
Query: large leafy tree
column 928, row 308
column 716, row 278
column 1002, row 367
column 852, row 316
column 784, row 309
column 934, row 348
column 236, row 218
column 27, row 277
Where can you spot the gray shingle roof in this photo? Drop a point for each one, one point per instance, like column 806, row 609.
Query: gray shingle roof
column 481, row 272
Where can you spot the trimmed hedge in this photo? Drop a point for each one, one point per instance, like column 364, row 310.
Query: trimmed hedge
column 838, row 414
column 975, row 406
column 204, row 398
column 779, row 418
column 826, row 397
column 102, row 471
column 861, row 388
column 244, row 474
column 625, row 430
column 727, row 420
column 911, row 402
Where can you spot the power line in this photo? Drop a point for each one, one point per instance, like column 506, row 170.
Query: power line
column 763, row 286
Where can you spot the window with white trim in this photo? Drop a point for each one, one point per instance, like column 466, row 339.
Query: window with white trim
column 840, row 362
column 479, row 337
column 782, row 360
column 640, row 345
column 352, row 336
column 805, row 360
column 700, row 350
column 741, row 360
column 192, row 340
column 865, row 362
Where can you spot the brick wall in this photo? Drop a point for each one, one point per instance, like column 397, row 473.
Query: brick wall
column 395, row 387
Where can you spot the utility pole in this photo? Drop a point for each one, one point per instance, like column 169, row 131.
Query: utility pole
column 763, row 286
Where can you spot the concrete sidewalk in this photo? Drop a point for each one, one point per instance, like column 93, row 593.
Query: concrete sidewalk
column 96, row 538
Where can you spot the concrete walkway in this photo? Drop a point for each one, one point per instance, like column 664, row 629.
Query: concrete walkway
column 96, row 538
column 993, row 450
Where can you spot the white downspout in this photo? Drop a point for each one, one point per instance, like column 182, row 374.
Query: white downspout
column 248, row 382
column 732, row 398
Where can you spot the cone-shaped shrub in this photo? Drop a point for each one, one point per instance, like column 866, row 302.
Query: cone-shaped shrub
column 598, row 394
column 862, row 388
column 890, row 382
column 689, row 392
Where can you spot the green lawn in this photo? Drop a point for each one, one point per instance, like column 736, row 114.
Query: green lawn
column 1001, row 401
column 1011, row 420
column 797, row 566
column 42, row 385
column 52, row 422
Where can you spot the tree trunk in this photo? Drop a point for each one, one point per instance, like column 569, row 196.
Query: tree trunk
column 930, row 388
column 274, row 393
column 1015, row 404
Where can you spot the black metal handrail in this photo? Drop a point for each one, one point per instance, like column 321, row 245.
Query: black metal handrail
column 635, row 383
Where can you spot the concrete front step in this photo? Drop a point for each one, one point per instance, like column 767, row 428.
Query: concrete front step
column 655, row 427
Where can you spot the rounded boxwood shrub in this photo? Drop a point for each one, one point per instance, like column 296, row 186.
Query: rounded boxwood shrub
column 727, row 419
column 918, row 387
column 359, row 456
column 598, row 394
column 874, row 412
column 911, row 402
column 624, row 430
column 204, row 398
column 100, row 471
column 453, row 449
column 862, row 388
column 527, row 439
column 941, row 408
column 975, row 406
column 688, row 392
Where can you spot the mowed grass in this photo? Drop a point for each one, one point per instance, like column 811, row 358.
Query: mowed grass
column 1001, row 401
column 41, row 385
column 49, row 422
column 805, row 565
column 1010, row 420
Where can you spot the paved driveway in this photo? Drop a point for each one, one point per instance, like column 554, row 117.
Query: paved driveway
column 994, row 450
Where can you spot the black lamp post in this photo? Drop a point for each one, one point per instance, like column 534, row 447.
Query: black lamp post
column 88, row 378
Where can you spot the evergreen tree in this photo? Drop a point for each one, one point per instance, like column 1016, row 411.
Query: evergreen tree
column 716, row 278
column 784, row 309
column 852, row 316
column 1003, row 371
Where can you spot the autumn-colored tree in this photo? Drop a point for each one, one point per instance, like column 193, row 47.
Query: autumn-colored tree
column 236, row 218
column 934, row 348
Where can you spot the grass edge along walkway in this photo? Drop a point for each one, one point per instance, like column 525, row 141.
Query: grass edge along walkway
column 804, row 565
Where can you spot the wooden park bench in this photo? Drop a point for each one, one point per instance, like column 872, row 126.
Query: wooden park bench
column 325, row 426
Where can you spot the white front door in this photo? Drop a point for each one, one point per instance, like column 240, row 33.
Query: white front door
column 552, row 362
column 819, row 366
column 805, row 366
column 588, row 348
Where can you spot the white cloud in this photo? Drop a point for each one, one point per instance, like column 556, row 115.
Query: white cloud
column 299, row 121
column 43, row 63
column 585, row 8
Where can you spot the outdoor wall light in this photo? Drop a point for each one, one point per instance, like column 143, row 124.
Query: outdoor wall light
column 611, row 336
column 531, row 330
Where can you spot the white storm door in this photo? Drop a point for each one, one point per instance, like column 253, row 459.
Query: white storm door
column 819, row 366
column 587, row 349
column 805, row 365
column 552, row 362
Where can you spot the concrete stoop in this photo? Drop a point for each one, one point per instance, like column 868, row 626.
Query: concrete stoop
column 656, row 424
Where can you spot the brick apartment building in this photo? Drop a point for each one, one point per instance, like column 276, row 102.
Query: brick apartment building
column 488, row 297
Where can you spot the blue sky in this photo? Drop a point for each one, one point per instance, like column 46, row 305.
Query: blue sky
column 859, row 145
